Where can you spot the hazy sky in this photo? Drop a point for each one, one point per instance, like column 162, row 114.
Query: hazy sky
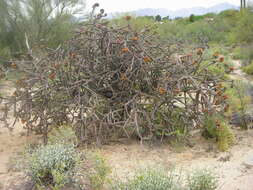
column 129, row 5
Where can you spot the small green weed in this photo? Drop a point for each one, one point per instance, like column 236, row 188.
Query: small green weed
column 150, row 179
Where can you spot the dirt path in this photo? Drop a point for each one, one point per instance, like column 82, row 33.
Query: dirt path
column 238, row 74
column 11, row 143
column 229, row 166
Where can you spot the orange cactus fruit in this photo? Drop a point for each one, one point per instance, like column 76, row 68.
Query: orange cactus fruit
column 216, row 55
column 231, row 68
column 147, row 59
column 225, row 97
column 15, row 93
column 221, row 59
column 217, row 123
column 128, row 18
column 123, row 76
column 135, row 38
column 194, row 62
column 205, row 110
column 226, row 109
column 162, row 90
column 57, row 66
column 200, row 51
column 125, row 50
column 72, row 55
column 14, row 65
column 52, row 76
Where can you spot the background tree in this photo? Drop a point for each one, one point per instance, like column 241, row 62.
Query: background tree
column 243, row 4
column 166, row 18
column 158, row 18
column 192, row 18
column 44, row 22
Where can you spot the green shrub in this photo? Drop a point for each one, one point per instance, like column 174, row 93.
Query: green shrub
column 150, row 179
column 240, row 98
column 98, row 171
column 238, row 53
column 202, row 180
column 248, row 69
column 52, row 165
column 217, row 127
column 225, row 137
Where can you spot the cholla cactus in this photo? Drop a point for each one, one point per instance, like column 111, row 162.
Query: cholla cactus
column 107, row 80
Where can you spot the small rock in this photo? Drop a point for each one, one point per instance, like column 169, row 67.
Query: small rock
column 225, row 158
column 249, row 162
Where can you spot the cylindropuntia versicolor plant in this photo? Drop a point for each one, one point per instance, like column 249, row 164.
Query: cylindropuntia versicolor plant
column 108, row 79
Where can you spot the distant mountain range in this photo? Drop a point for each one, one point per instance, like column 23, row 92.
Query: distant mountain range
column 181, row 12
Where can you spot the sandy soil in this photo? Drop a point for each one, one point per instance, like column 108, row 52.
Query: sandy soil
column 11, row 144
column 127, row 156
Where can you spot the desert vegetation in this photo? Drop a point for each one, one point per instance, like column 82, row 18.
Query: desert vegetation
column 79, row 83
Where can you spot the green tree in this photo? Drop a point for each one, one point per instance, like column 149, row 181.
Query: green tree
column 158, row 18
column 243, row 32
column 47, row 22
column 166, row 18
column 243, row 4
column 192, row 18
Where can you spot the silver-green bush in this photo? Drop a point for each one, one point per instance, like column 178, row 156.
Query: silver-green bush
column 150, row 179
column 202, row 180
column 52, row 164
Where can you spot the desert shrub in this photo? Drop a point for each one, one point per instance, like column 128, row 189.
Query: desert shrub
column 160, row 179
column 245, row 21
column 216, row 127
column 4, row 53
column 248, row 69
column 225, row 137
column 150, row 179
column 60, row 166
column 202, row 180
column 244, row 53
column 51, row 165
column 238, row 53
column 108, row 79
column 98, row 171
column 240, row 98
column 200, row 32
